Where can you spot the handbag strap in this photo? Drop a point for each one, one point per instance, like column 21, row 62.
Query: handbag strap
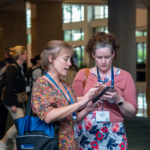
column 86, row 74
column 29, row 109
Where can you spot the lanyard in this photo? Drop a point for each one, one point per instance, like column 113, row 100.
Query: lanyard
column 112, row 75
column 50, row 78
column 112, row 80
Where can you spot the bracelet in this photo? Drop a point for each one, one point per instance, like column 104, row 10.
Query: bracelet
column 121, row 102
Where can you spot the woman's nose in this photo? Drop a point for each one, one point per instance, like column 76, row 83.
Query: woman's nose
column 103, row 61
column 69, row 63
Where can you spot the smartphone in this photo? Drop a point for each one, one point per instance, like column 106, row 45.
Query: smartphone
column 106, row 89
column 111, row 88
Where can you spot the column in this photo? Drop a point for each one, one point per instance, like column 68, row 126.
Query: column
column 12, row 26
column 47, row 24
column 88, row 33
column 121, row 23
column 148, row 58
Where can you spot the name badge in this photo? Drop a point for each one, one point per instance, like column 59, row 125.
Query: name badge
column 28, row 89
column 102, row 116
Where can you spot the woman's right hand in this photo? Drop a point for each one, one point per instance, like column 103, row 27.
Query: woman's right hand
column 13, row 109
column 93, row 92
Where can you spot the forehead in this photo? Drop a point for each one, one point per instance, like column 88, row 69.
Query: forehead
column 103, row 51
column 25, row 51
column 65, row 54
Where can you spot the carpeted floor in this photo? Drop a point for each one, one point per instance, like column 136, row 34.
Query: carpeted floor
column 138, row 133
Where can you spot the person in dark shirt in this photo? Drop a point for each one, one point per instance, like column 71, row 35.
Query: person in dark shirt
column 3, row 111
column 15, row 83
column 8, row 59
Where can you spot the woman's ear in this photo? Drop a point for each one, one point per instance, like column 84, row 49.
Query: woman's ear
column 113, row 54
column 93, row 55
column 50, row 58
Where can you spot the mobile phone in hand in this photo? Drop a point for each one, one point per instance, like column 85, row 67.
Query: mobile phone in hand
column 106, row 89
column 111, row 88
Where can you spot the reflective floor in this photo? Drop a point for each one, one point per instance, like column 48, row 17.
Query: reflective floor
column 143, row 107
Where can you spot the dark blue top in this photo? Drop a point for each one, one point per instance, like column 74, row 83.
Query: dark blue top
column 7, row 60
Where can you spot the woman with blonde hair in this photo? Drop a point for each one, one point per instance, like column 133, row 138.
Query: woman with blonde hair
column 14, row 83
column 54, row 100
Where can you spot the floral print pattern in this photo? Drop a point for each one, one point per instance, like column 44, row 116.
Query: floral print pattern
column 105, row 79
column 45, row 97
column 101, row 136
column 94, row 135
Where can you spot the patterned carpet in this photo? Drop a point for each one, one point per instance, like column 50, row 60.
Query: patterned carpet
column 138, row 133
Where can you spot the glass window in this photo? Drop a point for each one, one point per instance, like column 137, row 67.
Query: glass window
column 100, row 12
column 145, row 33
column 140, row 33
column 67, row 13
column 28, row 18
column 73, row 13
column 78, row 56
column 77, row 35
column 100, row 29
column 67, row 35
column 145, row 51
column 74, row 35
column 141, row 52
column 29, row 38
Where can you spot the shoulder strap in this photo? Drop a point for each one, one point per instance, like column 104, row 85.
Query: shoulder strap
column 86, row 74
column 29, row 109
column 35, row 68
column 15, row 66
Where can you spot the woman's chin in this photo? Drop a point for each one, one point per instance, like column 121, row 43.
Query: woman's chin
column 103, row 68
column 63, row 74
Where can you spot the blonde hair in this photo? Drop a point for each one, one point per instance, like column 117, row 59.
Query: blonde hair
column 17, row 50
column 54, row 48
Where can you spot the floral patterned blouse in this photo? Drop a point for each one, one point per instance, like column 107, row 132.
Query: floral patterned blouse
column 105, row 79
column 45, row 97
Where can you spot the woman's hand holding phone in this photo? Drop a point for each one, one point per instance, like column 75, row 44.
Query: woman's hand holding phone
column 112, row 96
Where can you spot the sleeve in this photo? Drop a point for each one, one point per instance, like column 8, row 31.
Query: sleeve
column 43, row 99
column 10, row 76
column 77, row 84
column 129, row 93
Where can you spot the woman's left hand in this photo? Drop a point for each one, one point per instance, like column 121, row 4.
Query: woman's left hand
column 115, row 96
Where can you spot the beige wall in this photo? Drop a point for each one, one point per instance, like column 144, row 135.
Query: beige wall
column 141, row 19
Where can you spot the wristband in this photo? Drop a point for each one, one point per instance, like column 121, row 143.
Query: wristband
column 121, row 102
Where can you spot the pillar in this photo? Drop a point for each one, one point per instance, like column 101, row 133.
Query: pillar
column 148, row 58
column 12, row 26
column 121, row 23
column 46, row 24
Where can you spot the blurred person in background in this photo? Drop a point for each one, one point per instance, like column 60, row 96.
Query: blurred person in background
column 15, row 83
column 35, row 71
column 3, row 111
